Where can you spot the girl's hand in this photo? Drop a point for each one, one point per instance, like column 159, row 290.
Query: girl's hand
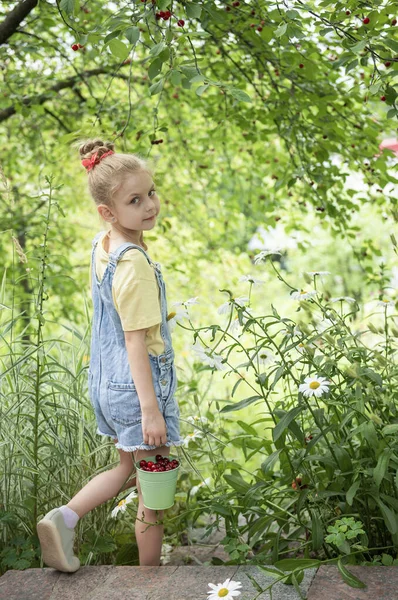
column 154, row 428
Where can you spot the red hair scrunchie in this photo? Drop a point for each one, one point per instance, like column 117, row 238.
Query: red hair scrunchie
column 90, row 163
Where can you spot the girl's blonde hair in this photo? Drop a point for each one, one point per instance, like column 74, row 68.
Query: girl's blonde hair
column 105, row 178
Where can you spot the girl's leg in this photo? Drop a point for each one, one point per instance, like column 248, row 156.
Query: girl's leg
column 104, row 486
column 149, row 537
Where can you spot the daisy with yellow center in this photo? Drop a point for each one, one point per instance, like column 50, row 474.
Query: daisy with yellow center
column 226, row 590
column 386, row 302
column 176, row 316
column 304, row 295
column 303, row 347
column 314, row 386
column 264, row 357
column 122, row 505
column 192, row 436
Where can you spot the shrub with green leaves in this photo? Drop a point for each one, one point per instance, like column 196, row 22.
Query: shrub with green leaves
column 325, row 477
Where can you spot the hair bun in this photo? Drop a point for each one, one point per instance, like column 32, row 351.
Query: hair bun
column 89, row 147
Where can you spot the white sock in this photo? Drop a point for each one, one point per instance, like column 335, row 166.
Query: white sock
column 70, row 517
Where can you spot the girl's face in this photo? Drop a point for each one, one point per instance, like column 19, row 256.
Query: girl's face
column 135, row 202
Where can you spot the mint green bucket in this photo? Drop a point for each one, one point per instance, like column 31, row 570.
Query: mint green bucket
column 158, row 489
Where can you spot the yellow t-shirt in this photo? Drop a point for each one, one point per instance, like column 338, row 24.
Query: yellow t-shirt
column 135, row 292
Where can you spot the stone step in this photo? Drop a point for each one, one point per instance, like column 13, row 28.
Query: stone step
column 191, row 583
column 140, row 583
column 382, row 583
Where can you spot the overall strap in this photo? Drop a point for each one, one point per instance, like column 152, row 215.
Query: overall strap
column 97, row 237
column 114, row 257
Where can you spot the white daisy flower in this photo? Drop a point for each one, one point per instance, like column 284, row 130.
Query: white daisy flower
column 122, row 505
column 214, row 360
column 264, row 253
column 165, row 553
column 343, row 299
column 241, row 300
column 226, row 590
column 226, row 307
column 194, row 490
column 303, row 346
column 251, row 279
column 296, row 332
column 175, row 317
column 320, row 273
column 200, row 350
column 196, row 434
column 235, row 326
column 385, row 302
column 187, row 302
column 192, row 300
column 195, row 419
column 304, row 295
column 264, row 356
column 314, row 386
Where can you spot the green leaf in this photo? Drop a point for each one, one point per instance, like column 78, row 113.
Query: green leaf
column 239, row 95
column 390, row 429
column 350, row 495
column 222, row 510
column 241, row 404
column 389, row 516
column 348, row 577
column 157, row 49
column 189, row 72
column 294, row 579
column 175, row 77
column 278, row 374
column 359, row 46
column 391, row 44
column 201, row 89
column 132, row 34
column 155, row 68
column 162, row 4
column 67, row 6
column 156, row 88
column 271, row 570
column 284, row 422
column 317, row 531
column 118, row 49
column 111, row 36
column 269, row 462
column 247, row 428
column 382, row 465
column 193, row 10
column 343, row 458
column 291, row 564
column 281, row 29
column 237, row 483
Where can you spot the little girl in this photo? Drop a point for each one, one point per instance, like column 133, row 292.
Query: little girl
column 131, row 377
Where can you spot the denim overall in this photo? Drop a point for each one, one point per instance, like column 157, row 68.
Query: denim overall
column 111, row 388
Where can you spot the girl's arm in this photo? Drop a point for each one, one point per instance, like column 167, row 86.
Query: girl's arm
column 140, row 367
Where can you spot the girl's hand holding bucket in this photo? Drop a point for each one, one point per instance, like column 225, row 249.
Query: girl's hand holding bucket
column 154, row 430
